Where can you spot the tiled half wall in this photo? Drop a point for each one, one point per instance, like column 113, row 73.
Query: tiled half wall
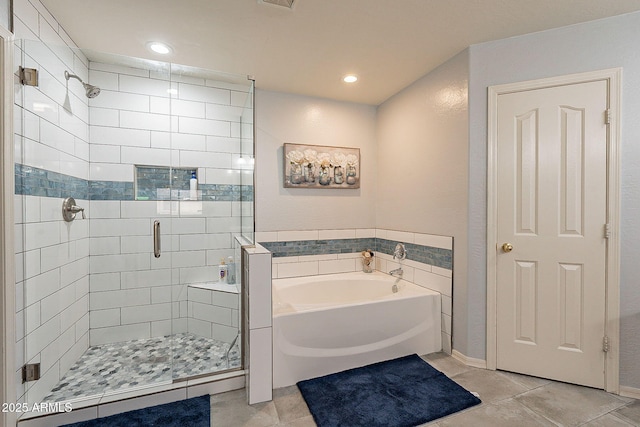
column 313, row 252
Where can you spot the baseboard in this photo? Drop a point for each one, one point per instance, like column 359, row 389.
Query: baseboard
column 631, row 392
column 469, row 361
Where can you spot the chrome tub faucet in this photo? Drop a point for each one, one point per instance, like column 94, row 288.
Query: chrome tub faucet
column 400, row 252
column 397, row 272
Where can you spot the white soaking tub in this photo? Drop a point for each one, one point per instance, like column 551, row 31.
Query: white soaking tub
column 329, row 323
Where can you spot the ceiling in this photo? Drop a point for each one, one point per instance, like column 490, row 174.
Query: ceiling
column 306, row 50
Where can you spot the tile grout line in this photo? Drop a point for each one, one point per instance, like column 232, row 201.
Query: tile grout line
column 621, row 417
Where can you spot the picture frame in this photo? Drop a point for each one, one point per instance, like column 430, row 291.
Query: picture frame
column 321, row 166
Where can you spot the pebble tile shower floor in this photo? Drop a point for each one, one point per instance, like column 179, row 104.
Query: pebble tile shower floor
column 111, row 367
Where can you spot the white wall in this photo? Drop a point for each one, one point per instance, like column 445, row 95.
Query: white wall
column 299, row 119
column 422, row 177
column 607, row 43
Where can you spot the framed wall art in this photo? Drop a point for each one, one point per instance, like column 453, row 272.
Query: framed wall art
column 319, row 166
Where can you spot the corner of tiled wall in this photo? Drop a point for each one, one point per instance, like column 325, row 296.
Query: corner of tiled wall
column 258, row 361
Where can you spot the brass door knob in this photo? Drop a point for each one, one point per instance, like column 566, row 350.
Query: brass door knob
column 507, row 247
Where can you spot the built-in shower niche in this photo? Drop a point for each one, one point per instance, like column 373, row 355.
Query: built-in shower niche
column 175, row 183
column 166, row 183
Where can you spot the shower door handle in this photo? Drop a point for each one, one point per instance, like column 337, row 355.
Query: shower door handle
column 156, row 238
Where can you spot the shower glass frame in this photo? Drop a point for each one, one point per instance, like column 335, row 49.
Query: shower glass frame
column 190, row 249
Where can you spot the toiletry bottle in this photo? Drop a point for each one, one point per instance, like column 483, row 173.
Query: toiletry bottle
column 222, row 272
column 231, row 271
column 193, row 186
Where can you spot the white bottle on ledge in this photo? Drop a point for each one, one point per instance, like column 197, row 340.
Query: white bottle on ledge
column 231, row 271
column 193, row 186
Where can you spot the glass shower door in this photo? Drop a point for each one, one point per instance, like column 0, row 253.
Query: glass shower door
column 132, row 205
column 97, row 302
column 127, row 296
column 207, row 109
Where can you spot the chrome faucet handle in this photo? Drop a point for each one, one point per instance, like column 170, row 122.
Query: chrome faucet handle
column 70, row 209
column 77, row 209
column 400, row 252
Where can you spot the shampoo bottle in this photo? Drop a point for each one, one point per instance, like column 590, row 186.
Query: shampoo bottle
column 193, row 186
column 231, row 271
column 222, row 272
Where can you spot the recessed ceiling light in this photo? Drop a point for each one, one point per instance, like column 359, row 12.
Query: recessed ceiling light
column 350, row 78
column 158, row 47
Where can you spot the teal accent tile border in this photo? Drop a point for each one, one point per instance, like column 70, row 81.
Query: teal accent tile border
column 32, row 181
column 318, row 247
column 425, row 254
column 110, row 190
column 226, row 192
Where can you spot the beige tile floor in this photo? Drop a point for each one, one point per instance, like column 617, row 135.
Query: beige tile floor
column 507, row 400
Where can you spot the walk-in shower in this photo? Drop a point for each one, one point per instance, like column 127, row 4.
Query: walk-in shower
column 98, row 313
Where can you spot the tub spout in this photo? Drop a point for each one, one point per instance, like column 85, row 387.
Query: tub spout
column 397, row 272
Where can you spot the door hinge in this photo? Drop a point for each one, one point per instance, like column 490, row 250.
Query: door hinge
column 605, row 344
column 30, row 372
column 607, row 116
column 607, row 231
column 28, row 76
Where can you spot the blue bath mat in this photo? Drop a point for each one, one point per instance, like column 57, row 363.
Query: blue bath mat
column 403, row 392
column 194, row 412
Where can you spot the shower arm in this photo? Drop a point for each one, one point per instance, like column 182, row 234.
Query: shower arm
column 69, row 76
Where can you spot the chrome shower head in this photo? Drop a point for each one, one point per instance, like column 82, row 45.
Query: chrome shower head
column 90, row 90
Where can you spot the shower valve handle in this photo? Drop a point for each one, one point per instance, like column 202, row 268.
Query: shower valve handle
column 70, row 209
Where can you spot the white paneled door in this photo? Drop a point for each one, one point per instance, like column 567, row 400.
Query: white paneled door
column 551, row 232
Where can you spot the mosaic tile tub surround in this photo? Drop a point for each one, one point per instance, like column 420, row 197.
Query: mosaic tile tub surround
column 429, row 261
column 438, row 257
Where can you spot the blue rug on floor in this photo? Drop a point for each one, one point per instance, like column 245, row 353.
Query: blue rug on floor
column 194, row 412
column 403, row 392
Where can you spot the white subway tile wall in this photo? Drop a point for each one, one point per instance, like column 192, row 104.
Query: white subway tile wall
column 135, row 126
column 96, row 281
column 52, row 257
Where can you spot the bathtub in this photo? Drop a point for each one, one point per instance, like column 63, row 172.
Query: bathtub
column 329, row 323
